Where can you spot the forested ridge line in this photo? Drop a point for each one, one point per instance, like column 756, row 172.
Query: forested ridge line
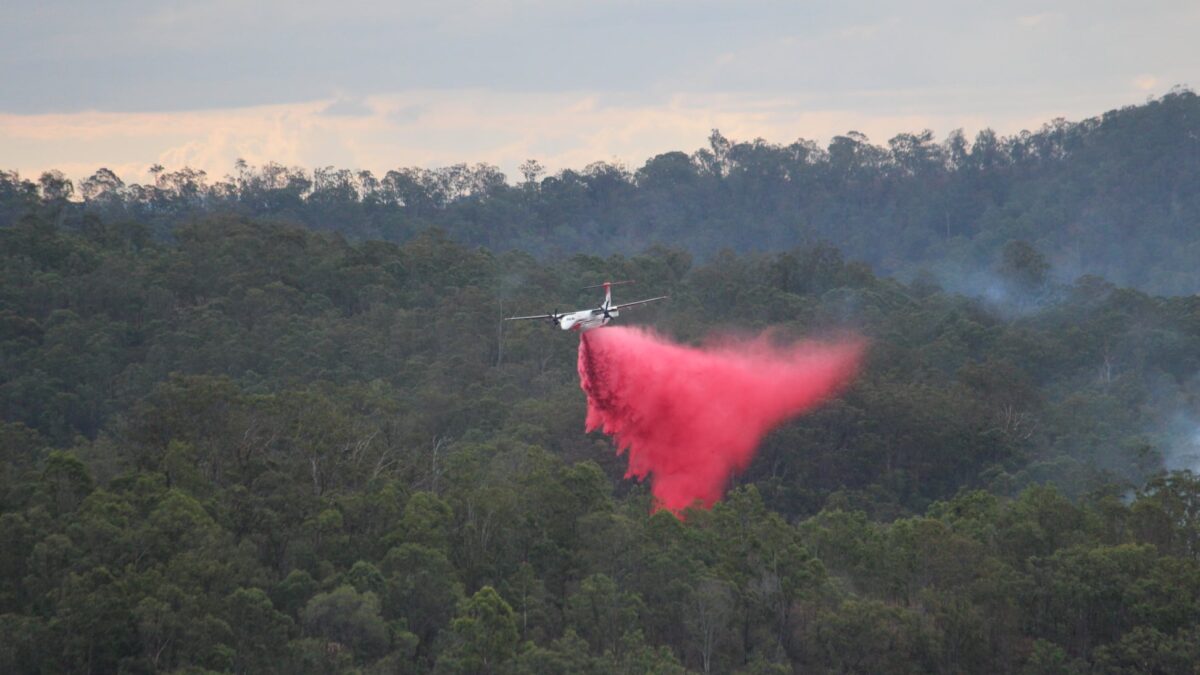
column 259, row 448
column 1116, row 196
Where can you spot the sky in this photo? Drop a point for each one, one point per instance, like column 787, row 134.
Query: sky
column 126, row 84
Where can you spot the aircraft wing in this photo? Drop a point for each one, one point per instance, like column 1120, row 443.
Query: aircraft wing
column 539, row 316
column 640, row 302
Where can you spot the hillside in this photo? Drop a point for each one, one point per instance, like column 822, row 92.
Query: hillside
column 1116, row 196
column 257, row 447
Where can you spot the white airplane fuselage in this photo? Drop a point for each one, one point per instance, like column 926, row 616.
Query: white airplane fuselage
column 586, row 319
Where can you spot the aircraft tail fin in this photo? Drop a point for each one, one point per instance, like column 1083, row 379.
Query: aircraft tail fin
column 607, row 286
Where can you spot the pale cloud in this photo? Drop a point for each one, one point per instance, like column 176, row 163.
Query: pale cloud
column 1036, row 20
column 433, row 128
column 860, row 32
column 209, row 140
column 348, row 106
column 1145, row 82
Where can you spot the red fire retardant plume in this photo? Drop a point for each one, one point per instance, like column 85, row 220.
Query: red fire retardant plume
column 691, row 418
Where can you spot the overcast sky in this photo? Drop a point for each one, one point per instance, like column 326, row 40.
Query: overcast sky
column 125, row 84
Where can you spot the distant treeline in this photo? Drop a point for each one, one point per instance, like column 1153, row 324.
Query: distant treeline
column 1116, row 196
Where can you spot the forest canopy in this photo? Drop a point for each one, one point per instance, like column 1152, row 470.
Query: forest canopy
column 258, row 445
column 274, row 423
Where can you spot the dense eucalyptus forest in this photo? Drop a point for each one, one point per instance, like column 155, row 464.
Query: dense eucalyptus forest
column 274, row 423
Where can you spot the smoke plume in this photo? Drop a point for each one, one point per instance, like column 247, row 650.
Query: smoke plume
column 691, row 418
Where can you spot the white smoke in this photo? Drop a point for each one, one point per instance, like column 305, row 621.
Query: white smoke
column 1184, row 453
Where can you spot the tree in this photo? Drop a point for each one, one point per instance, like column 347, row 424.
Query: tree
column 426, row 521
column 293, row 592
column 1167, row 514
column 565, row 656
column 867, row 637
column 601, row 612
column 710, row 608
column 347, row 619
column 260, row 633
column 1023, row 267
column 422, row 588
column 365, row 577
column 102, row 186
column 531, row 170
column 56, row 187
column 1146, row 650
column 66, row 481
column 484, row 635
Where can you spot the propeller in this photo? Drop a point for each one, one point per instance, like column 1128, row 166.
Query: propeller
column 556, row 318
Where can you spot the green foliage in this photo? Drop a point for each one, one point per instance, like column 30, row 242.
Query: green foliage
column 260, row 633
column 600, row 612
column 347, row 620
column 483, row 637
column 258, row 448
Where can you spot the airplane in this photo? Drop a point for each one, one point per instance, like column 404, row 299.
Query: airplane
column 587, row 319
